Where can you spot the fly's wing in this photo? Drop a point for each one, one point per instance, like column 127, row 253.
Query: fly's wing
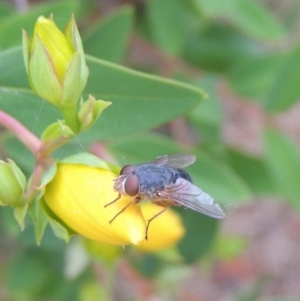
column 188, row 195
column 176, row 161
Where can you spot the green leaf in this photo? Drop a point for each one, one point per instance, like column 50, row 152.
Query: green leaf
column 136, row 98
column 283, row 159
column 217, row 47
column 254, row 171
column 108, row 39
column 291, row 17
column 255, row 20
column 219, row 179
column 207, row 118
column 5, row 10
column 213, row 8
column 11, row 25
column 167, row 24
column 210, row 174
column 285, row 89
column 209, row 112
column 249, row 16
column 253, row 77
column 12, row 68
column 147, row 265
column 27, row 274
column 200, row 234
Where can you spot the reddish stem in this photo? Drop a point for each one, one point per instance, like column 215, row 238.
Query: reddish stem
column 34, row 145
column 34, row 182
column 21, row 132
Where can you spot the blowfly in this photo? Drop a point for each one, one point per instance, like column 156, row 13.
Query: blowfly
column 164, row 183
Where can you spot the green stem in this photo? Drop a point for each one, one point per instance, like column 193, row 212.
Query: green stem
column 71, row 118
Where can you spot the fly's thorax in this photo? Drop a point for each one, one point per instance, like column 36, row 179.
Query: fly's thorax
column 154, row 177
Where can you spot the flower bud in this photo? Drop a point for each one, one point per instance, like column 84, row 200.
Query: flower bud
column 55, row 62
column 90, row 110
column 164, row 231
column 12, row 183
column 77, row 195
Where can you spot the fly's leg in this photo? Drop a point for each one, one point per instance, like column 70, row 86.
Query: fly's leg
column 112, row 201
column 152, row 218
column 122, row 210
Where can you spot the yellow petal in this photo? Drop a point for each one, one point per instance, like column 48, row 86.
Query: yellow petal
column 57, row 45
column 77, row 195
column 164, row 231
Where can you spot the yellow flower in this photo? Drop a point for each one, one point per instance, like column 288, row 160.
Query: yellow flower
column 77, row 195
column 55, row 62
column 164, row 231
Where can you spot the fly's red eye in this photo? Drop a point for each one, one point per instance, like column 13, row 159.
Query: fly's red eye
column 131, row 185
column 127, row 170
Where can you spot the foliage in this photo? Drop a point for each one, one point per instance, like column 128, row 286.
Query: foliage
column 239, row 44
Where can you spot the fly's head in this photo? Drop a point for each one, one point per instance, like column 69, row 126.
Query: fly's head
column 127, row 183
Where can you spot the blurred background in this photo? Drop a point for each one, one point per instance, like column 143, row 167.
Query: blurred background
column 246, row 135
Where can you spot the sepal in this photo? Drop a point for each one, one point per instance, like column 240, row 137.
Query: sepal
column 54, row 132
column 42, row 74
column 20, row 214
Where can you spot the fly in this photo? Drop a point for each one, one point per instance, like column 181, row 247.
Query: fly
column 164, row 183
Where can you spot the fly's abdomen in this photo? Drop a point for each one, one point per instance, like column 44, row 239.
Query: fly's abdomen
column 180, row 173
